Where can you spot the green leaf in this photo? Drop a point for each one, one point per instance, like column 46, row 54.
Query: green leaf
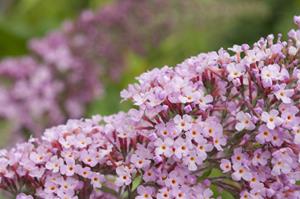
column 136, row 182
column 214, row 189
column 204, row 175
column 226, row 195
column 215, row 173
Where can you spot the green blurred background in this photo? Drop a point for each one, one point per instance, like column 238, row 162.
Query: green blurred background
column 216, row 24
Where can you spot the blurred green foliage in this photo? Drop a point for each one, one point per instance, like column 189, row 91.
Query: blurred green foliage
column 222, row 23
column 218, row 24
column 21, row 20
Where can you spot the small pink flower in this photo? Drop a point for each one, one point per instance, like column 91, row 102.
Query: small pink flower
column 181, row 148
column 288, row 115
column 145, row 192
column 284, row 94
column 83, row 171
column 270, row 73
column 225, row 165
column 203, row 100
column 212, row 128
column 50, row 187
column 264, row 135
column 163, row 193
column 184, row 122
column 238, row 157
column 245, row 122
column 271, row 119
column 36, row 171
column 180, row 193
column 173, row 180
column 297, row 20
column 235, row 71
column 124, row 176
column 68, row 169
column 260, row 157
column 192, row 160
column 218, row 142
column 82, row 141
column 38, row 157
column 139, row 162
column 89, row 158
column 203, row 147
column 241, row 172
column 54, row 164
column 149, row 175
column 164, row 147
column 296, row 131
column 188, row 95
column 96, row 179
column 195, row 132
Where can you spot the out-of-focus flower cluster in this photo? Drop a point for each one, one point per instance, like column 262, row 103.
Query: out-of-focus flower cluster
column 104, row 37
column 236, row 110
column 62, row 74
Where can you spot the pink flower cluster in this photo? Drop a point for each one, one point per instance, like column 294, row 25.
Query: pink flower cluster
column 102, row 36
column 236, row 111
column 29, row 95
column 59, row 78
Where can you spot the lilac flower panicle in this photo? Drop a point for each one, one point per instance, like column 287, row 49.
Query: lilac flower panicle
column 222, row 110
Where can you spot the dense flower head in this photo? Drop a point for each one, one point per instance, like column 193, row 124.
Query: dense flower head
column 236, row 111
